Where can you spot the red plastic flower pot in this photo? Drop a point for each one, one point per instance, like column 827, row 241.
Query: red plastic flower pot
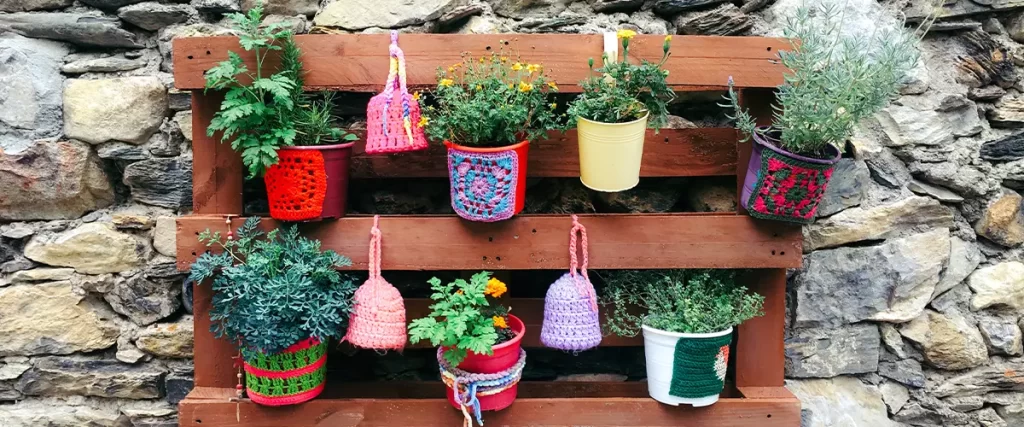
column 784, row 186
column 505, row 356
column 487, row 184
column 293, row 376
column 309, row 183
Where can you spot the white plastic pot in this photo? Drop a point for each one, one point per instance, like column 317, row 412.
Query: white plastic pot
column 659, row 349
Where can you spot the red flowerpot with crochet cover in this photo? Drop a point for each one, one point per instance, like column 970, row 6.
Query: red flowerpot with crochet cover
column 488, row 184
column 309, row 182
column 505, row 356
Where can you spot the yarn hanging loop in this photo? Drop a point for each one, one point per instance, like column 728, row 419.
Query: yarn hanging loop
column 375, row 256
column 584, row 285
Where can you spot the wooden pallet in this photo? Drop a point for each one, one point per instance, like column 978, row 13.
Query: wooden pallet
column 358, row 63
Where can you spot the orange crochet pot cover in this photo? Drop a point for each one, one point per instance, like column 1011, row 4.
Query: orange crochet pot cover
column 309, row 183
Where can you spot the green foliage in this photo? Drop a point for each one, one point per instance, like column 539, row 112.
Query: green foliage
column 273, row 289
column 685, row 301
column 835, row 79
column 492, row 101
column 624, row 92
column 462, row 319
column 314, row 122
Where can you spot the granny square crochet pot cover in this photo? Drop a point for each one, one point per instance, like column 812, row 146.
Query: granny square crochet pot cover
column 291, row 377
column 783, row 186
column 483, row 185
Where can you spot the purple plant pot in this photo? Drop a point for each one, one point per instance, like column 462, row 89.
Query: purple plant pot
column 758, row 170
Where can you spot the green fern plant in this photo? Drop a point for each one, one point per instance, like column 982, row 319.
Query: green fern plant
column 273, row 289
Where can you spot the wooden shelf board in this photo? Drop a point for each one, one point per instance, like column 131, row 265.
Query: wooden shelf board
column 209, row 407
column 540, row 241
column 359, row 62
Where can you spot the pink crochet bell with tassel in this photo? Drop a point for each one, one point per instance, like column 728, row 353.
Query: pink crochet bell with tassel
column 378, row 319
column 393, row 116
column 571, row 320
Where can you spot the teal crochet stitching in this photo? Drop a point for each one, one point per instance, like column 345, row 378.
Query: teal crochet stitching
column 699, row 367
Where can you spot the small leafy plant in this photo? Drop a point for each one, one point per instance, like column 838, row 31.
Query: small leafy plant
column 623, row 92
column 314, row 122
column 461, row 318
column 684, row 301
column 274, row 289
column 835, row 80
column 492, row 101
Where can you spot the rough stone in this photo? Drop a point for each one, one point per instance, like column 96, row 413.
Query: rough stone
column 161, row 182
column 948, row 340
column 168, row 339
column 907, row 372
column 79, row 28
column 989, row 418
column 19, row 263
column 127, row 352
column 611, row 6
column 216, row 6
column 887, row 170
column 132, row 221
column 153, row 16
column 144, row 300
column 358, row 14
column 648, row 197
column 1003, row 221
column 964, row 258
column 121, row 151
column 16, row 231
column 177, row 386
column 894, row 396
column 841, row 401
column 891, row 282
column 30, row 5
column 1004, row 149
column 1000, row 376
column 42, row 275
column 460, row 13
column 673, row 7
column 92, row 248
column 1000, row 285
column 824, row 353
column 127, row 109
column 877, row 223
column 964, row 404
column 528, row 8
column 30, row 81
column 110, row 4
column 165, row 236
column 108, row 64
column 717, row 196
column 53, row 319
column 846, row 189
column 986, row 60
column 892, row 340
column 1002, row 334
column 917, row 122
column 1008, row 112
column 986, row 94
column 724, row 20
column 184, row 121
column 284, row 7
column 964, row 179
column 65, row 376
column 1008, row 405
column 53, row 412
column 52, row 180
column 935, row 191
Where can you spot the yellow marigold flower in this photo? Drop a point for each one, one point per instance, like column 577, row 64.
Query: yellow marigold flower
column 668, row 38
column 626, row 34
column 552, row 85
column 424, row 120
column 504, row 59
column 458, row 292
column 451, row 69
column 495, row 288
column 517, row 66
column 525, row 87
column 553, row 105
column 447, row 82
column 499, row 322
column 479, row 87
column 533, row 68
column 482, row 59
column 416, row 95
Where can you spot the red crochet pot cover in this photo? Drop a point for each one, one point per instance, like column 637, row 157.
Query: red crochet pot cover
column 309, row 183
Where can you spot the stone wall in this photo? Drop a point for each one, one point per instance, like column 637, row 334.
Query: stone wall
column 908, row 309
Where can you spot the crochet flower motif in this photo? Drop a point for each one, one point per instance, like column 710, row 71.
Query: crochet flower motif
column 722, row 362
column 480, row 187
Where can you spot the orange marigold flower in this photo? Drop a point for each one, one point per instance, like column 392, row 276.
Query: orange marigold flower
column 458, row 292
column 499, row 322
column 495, row 288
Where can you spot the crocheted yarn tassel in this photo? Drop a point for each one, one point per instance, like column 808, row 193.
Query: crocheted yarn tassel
column 378, row 319
column 393, row 116
column 571, row 320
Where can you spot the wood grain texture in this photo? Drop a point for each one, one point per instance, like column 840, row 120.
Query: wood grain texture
column 540, row 241
column 671, row 152
column 210, row 408
column 527, row 389
column 760, row 349
column 359, row 62
column 216, row 169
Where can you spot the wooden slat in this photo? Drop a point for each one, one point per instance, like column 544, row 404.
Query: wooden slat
column 541, row 241
column 359, row 62
column 527, row 389
column 211, row 408
column 760, row 353
column 671, row 152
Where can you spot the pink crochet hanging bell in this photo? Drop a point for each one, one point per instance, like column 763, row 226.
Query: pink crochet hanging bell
column 378, row 319
column 571, row 320
column 393, row 116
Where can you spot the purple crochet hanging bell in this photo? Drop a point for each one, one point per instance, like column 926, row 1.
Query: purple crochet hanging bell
column 571, row 320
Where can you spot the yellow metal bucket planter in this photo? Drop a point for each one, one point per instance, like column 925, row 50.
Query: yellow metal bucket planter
column 610, row 153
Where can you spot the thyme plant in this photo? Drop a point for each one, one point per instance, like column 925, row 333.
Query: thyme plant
column 685, row 301
column 273, row 289
column 492, row 101
column 462, row 319
column 622, row 92
column 834, row 80
column 314, row 122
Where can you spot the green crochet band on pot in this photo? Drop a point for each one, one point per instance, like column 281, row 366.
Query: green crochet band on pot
column 288, row 361
column 277, row 387
column 699, row 367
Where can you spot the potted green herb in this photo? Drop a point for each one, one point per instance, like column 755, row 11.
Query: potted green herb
column 834, row 81
column 687, row 317
column 279, row 298
column 613, row 114
column 282, row 134
column 487, row 111
column 479, row 342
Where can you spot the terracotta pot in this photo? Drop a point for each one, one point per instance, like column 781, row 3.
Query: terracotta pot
column 487, row 184
column 309, row 183
column 505, row 356
column 783, row 186
column 299, row 384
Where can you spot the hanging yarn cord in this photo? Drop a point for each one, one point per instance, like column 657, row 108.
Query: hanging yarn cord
column 469, row 387
column 582, row 285
column 375, row 244
column 397, row 80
